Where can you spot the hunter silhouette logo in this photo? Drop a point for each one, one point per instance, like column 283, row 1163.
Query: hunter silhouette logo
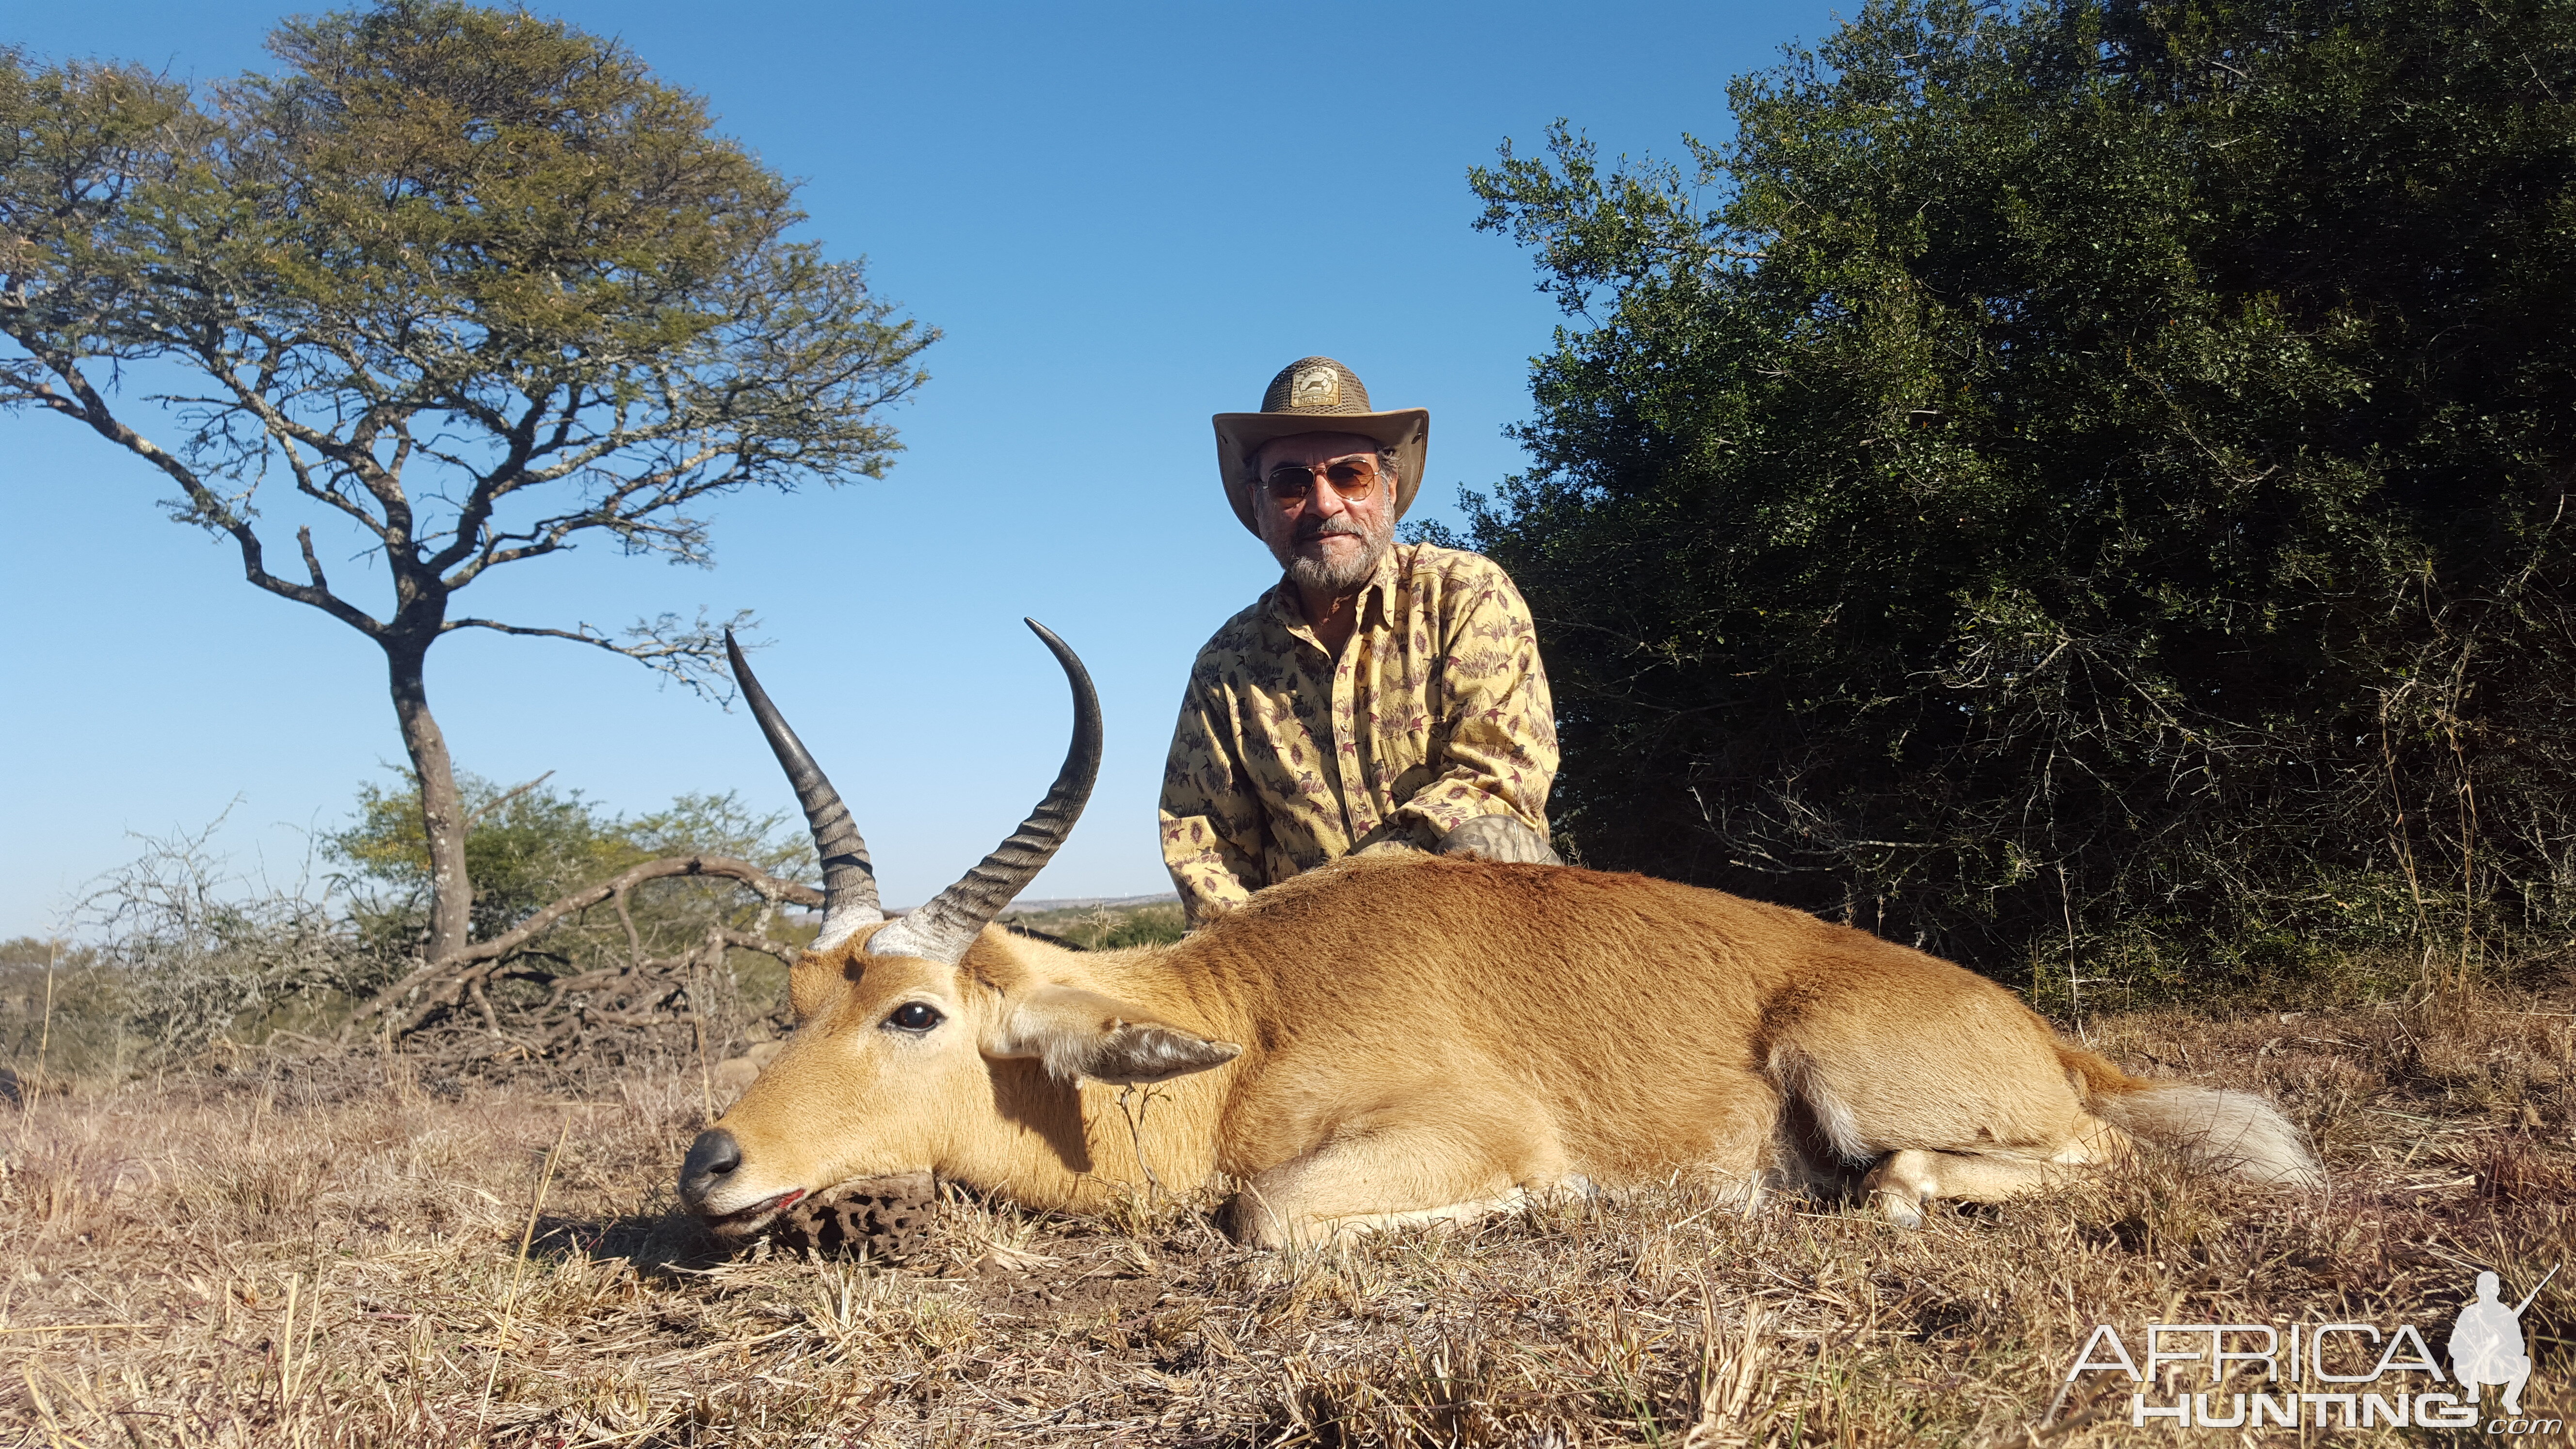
column 2486, row 1344
column 2328, row 1375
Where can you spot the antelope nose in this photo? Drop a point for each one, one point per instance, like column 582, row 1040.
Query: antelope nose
column 714, row 1154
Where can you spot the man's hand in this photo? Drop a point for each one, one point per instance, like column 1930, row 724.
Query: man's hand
column 1499, row 837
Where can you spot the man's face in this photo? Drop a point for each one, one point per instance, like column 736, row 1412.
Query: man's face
column 1326, row 541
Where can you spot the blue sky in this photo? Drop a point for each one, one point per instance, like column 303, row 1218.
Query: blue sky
column 1123, row 219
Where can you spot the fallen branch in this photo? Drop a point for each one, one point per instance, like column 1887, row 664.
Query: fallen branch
column 767, row 886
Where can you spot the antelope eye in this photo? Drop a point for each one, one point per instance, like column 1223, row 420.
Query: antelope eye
column 915, row 1016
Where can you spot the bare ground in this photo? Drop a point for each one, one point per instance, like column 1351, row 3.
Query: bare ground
column 327, row 1254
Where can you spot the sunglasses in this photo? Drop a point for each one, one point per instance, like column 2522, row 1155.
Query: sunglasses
column 1351, row 477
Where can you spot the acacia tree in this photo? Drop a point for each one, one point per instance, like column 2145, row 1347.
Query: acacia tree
column 471, row 280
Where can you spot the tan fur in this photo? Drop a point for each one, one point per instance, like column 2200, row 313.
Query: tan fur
column 1423, row 1037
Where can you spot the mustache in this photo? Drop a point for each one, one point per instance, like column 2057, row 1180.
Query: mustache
column 1327, row 527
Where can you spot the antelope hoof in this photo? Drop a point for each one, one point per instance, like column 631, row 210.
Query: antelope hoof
column 1900, row 1208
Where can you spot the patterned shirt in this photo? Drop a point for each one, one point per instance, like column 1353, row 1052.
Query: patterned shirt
column 1285, row 757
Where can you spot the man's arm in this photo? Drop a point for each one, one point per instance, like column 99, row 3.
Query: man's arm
column 1501, row 754
column 1211, row 820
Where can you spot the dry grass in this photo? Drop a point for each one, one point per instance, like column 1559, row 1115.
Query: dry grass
column 336, row 1259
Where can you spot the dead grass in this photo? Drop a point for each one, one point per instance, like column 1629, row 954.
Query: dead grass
column 334, row 1259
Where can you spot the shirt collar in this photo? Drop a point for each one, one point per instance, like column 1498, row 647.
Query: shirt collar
column 1377, row 596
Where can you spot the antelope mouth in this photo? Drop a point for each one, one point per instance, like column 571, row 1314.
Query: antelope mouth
column 746, row 1219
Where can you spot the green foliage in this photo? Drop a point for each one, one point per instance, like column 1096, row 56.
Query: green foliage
column 1106, row 927
column 1141, row 926
column 440, row 216
column 528, row 846
column 629, row 971
column 466, row 163
column 61, row 1012
column 2079, row 486
column 1145, row 926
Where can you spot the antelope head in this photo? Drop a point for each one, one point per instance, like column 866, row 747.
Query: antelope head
column 919, row 1041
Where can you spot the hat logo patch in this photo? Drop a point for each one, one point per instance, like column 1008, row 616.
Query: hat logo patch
column 1315, row 387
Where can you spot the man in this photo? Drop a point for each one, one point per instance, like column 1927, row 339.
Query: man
column 1381, row 696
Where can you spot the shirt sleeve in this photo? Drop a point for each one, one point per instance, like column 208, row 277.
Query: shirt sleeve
column 1501, row 752
column 1211, row 820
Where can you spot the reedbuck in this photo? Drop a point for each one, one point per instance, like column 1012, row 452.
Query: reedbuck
column 1409, row 1038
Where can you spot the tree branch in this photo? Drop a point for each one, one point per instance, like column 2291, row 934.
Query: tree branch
column 768, row 886
column 206, row 507
column 685, row 652
column 312, row 561
column 477, row 817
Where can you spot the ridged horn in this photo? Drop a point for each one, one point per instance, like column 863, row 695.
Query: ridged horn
column 942, row 930
column 849, row 881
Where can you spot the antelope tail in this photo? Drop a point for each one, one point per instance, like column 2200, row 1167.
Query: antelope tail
column 2234, row 1134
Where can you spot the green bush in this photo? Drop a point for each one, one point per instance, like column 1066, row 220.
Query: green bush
column 61, row 1013
column 2080, row 487
column 530, row 846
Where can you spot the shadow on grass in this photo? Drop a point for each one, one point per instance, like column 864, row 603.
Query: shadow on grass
column 657, row 1245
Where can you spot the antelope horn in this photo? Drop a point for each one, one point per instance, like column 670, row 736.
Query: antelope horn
column 849, row 881
column 942, row 930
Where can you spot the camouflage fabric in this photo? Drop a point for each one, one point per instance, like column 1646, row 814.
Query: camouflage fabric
column 1436, row 712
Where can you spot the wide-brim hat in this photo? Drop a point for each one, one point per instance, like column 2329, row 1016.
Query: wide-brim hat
column 1318, row 395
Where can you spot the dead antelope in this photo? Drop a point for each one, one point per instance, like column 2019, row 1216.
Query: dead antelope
column 1406, row 1039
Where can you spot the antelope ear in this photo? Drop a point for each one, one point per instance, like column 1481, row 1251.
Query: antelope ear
column 1081, row 1033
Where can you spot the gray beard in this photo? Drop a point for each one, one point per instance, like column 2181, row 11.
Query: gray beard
column 1324, row 576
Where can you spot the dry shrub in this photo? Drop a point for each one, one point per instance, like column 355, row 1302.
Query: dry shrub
column 316, row 1259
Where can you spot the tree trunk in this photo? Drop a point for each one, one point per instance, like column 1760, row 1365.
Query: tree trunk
column 442, row 809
